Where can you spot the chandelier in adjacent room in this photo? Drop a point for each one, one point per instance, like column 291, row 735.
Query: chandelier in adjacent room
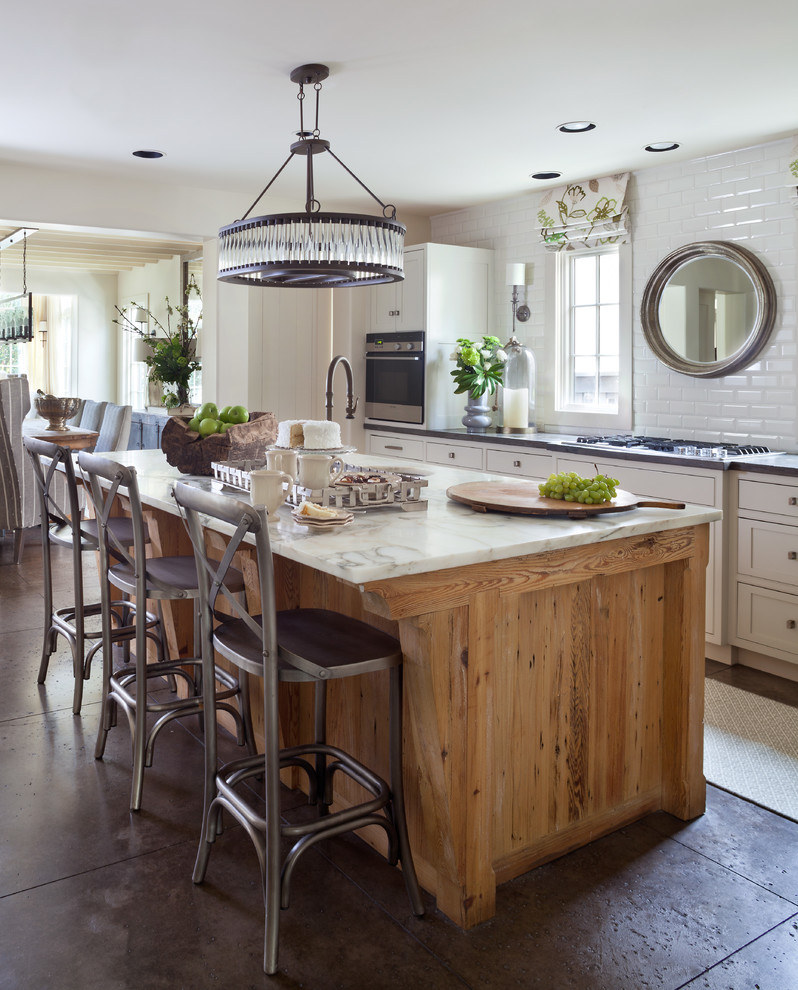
column 316, row 248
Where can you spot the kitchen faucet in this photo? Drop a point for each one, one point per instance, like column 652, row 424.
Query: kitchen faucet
column 351, row 398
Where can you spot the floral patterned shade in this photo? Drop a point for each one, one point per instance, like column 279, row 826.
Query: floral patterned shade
column 584, row 215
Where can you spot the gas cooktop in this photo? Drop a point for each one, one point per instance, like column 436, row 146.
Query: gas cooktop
column 680, row 448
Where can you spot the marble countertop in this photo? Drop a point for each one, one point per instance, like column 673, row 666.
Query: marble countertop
column 390, row 542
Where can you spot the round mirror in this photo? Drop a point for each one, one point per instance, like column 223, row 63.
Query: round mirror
column 708, row 309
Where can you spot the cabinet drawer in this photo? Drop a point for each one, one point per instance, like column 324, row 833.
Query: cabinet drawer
column 767, row 550
column 768, row 618
column 461, row 456
column 526, row 463
column 396, row 446
column 766, row 496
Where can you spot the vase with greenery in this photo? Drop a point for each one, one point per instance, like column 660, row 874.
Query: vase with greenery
column 172, row 359
column 479, row 373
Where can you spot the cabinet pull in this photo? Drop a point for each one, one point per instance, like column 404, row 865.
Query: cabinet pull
column 791, row 623
column 792, row 555
column 792, row 501
column 393, row 446
column 451, row 453
column 516, row 464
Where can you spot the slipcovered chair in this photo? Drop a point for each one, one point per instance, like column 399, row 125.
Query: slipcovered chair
column 115, row 428
column 91, row 415
column 18, row 505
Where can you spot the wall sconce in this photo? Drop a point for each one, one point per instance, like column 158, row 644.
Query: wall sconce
column 516, row 276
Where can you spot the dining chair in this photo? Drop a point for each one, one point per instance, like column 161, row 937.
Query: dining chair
column 159, row 578
column 298, row 645
column 62, row 525
column 91, row 415
column 114, row 429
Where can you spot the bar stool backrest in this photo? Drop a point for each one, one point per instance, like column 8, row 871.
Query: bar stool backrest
column 119, row 480
column 52, row 504
column 246, row 520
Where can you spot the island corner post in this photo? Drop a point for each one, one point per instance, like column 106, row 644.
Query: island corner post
column 549, row 699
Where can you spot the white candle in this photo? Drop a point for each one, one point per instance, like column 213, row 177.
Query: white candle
column 516, row 408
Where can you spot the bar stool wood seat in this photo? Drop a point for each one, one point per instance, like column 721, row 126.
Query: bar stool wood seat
column 62, row 525
column 305, row 644
column 159, row 579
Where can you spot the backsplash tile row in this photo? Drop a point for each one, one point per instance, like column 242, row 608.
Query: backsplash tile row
column 742, row 196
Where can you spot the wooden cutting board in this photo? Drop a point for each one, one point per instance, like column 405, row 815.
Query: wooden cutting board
column 523, row 497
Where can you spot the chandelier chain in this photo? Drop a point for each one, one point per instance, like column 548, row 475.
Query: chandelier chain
column 24, row 263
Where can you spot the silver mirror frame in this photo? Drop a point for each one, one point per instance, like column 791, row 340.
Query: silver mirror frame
column 763, row 324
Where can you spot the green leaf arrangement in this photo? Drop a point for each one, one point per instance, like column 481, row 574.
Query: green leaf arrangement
column 479, row 366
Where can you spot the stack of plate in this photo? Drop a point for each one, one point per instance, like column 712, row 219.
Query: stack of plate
column 342, row 517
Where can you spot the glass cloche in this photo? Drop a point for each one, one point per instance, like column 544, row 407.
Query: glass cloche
column 517, row 401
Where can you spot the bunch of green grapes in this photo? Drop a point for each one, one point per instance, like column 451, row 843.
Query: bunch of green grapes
column 569, row 486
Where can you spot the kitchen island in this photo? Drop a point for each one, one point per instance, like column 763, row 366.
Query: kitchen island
column 553, row 669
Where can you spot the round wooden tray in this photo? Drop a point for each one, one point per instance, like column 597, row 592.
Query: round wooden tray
column 523, row 497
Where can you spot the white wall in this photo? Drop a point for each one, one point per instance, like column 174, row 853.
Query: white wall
column 744, row 196
column 94, row 352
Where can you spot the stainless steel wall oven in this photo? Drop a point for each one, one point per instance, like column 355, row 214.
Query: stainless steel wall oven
column 395, row 377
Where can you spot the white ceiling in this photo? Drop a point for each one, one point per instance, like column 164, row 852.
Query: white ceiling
column 434, row 104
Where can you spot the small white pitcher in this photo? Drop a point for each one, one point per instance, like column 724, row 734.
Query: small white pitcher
column 319, row 470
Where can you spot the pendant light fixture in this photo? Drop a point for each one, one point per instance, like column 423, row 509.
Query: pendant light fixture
column 316, row 248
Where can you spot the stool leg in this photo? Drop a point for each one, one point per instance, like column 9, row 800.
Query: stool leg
column 48, row 646
column 398, row 794
column 140, row 730
column 79, row 646
column 323, row 799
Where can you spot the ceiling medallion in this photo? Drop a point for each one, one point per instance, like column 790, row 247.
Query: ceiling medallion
column 314, row 249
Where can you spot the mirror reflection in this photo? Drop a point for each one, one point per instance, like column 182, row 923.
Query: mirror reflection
column 708, row 309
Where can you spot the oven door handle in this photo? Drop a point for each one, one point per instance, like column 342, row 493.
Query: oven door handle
column 393, row 357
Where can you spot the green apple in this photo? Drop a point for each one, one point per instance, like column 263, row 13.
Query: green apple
column 207, row 426
column 223, row 413
column 207, row 410
column 238, row 414
column 225, row 427
column 193, row 424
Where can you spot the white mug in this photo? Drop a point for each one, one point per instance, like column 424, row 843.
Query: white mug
column 319, row 470
column 282, row 460
column 266, row 488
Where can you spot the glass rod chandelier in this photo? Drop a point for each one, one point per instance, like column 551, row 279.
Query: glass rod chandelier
column 314, row 249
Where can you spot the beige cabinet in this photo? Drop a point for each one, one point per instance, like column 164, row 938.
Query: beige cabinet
column 764, row 584
column 400, row 305
column 679, row 484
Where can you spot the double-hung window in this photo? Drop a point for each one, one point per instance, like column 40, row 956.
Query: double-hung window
column 592, row 331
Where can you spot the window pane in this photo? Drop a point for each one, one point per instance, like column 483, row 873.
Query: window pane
column 609, row 331
column 584, row 280
column 608, row 277
column 585, row 366
column 585, row 331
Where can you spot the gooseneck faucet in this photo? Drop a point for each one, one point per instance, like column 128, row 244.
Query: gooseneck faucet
column 351, row 399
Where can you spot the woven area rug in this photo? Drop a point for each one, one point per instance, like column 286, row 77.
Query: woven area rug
column 751, row 747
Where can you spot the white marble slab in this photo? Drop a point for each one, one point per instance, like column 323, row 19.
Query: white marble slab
column 389, row 542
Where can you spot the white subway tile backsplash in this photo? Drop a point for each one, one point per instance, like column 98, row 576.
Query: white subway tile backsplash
column 742, row 196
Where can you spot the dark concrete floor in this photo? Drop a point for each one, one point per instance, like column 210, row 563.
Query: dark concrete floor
column 92, row 896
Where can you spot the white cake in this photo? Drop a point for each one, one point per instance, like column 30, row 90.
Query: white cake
column 312, row 434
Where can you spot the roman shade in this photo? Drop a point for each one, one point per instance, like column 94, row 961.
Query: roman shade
column 584, row 215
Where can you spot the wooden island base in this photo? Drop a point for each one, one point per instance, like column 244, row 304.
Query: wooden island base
column 549, row 699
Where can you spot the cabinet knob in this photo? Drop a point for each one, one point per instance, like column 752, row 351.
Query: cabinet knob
column 791, row 623
column 516, row 464
column 451, row 453
column 792, row 555
column 792, row 501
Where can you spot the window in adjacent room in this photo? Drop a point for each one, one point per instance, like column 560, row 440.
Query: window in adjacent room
column 593, row 339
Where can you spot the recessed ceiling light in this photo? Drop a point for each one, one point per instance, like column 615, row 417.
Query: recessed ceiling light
column 545, row 175
column 148, row 154
column 576, row 127
column 662, row 146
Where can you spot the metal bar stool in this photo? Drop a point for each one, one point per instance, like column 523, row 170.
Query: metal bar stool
column 312, row 645
column 159, row 579
column 62, row 525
